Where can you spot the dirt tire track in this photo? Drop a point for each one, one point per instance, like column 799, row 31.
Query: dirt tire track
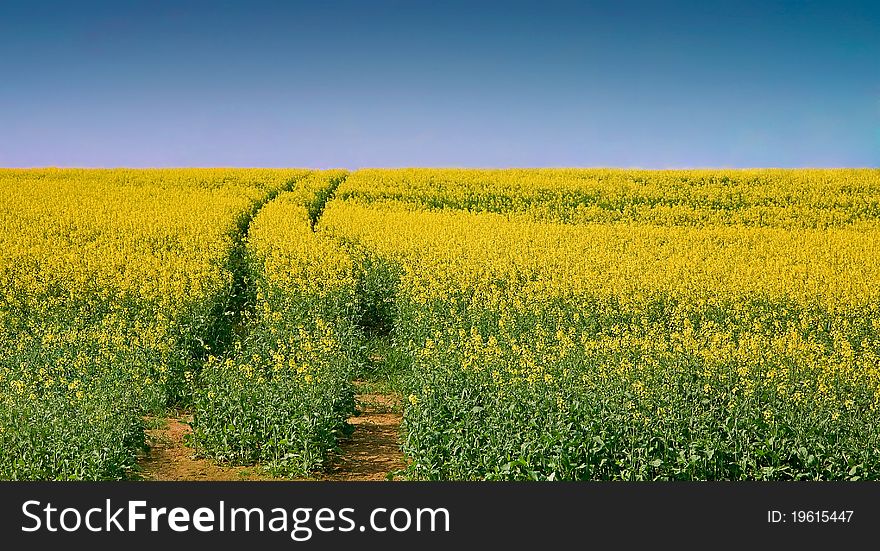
column 171, row 458
column 372, row 450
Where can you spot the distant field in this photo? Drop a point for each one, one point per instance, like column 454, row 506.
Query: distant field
column 564, row 324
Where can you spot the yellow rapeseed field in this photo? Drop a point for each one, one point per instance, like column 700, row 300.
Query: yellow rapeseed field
column 109, row 281
column 550, row 324
column 631, row 324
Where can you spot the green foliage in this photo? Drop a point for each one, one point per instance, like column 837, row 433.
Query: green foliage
column 638, row 397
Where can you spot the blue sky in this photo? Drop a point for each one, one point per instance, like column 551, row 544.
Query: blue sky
column 441, row 83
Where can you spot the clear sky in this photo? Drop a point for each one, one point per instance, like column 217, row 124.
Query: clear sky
column 439, row 83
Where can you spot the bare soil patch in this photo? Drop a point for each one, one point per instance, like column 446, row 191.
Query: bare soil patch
column 372, row 450
column 171, row 458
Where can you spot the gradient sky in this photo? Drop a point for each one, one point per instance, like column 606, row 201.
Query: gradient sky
column 440, row 83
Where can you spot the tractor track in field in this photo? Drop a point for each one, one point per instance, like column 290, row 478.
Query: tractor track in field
column 171, row 458
column 169, row 455
column 370, row 452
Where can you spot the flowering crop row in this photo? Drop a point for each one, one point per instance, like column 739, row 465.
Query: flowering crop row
column 282, row 393
column 699, row 198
